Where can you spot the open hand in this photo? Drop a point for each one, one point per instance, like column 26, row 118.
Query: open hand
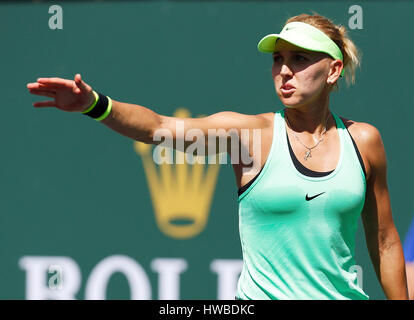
column 68, row 95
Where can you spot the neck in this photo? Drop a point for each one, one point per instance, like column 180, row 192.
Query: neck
column 309, row 119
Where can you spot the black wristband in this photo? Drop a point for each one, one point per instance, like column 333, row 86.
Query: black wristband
column 99, row 108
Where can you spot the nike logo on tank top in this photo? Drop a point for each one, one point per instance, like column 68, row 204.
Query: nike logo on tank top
column 294, row 248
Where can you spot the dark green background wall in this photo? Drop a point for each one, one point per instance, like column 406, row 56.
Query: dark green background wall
column 71, row 187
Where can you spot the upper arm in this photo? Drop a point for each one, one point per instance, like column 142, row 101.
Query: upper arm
column 376, row 215
column 224, row 126
column 222, row 120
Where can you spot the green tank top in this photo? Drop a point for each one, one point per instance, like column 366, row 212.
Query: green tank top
column 298, row 232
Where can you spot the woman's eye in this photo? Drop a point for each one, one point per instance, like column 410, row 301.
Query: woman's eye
column 297, row 57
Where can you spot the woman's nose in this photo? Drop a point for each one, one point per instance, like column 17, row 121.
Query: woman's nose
column 285, row 70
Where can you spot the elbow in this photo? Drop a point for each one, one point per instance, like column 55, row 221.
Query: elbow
column 388, row 239
column 148, row 134
column 145, row 138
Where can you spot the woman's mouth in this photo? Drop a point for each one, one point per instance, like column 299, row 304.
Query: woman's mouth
column 287, row 90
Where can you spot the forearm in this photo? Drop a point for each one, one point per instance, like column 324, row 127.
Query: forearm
column 133, row 121
column 391, row 268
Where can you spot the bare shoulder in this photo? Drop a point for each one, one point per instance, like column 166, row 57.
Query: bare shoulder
column 366, row 134
column 268, row 117
column 248, row 120
column 369, row 142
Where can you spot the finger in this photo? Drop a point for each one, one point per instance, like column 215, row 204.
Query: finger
column 32, row 85
column 49, row 103
column 53, row 86
column 80, row 83
column 38, row 86
column 43, row 93
column 55, row 82
column 35, row 85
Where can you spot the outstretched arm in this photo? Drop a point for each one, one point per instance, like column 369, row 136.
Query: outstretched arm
column 138, row 122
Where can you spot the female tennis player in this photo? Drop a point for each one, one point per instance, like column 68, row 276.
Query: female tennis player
column 319, row 172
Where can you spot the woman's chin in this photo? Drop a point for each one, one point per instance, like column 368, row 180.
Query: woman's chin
column 289, row 103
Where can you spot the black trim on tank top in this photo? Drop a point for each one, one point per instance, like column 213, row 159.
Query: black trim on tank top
column 359, row 155
column 247, row 185
column 302, row 169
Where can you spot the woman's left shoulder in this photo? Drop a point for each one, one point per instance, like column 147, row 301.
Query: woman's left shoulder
column 363, row 132
column 369, row 142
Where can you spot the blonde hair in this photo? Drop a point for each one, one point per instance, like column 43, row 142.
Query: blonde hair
column 338, row 34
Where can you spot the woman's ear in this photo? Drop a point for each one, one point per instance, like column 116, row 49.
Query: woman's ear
column 336, row 67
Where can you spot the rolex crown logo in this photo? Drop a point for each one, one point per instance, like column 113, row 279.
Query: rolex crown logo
column 181, row 194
